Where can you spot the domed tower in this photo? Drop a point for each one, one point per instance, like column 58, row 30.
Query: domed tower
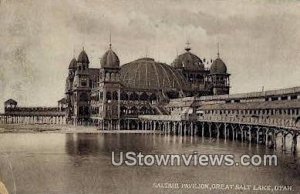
column 219, row 77
column 81, row 90
column 110, row 87
column 192, row 68
column 71, row 75
column 69, row 89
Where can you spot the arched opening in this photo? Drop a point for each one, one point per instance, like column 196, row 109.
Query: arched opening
column 143, row 111
column 123, row 110
column 115, row 95
column 172, row 94
column 144, row 96
column 133, row 110
column 108, row 95
column 153, row 97
column 124, row 96
column 151, row 111
column 133, row 96
column 80, row 110
column 84, row 97
column 86, row 111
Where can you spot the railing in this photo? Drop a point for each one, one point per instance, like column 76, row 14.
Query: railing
column 266, row 121
column 35, row 111
column 161, row 117
column 32, row 109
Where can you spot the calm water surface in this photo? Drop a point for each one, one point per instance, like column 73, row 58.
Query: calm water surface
column 81, row 163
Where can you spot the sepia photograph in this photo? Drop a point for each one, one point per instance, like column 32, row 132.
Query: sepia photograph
column 149, row 96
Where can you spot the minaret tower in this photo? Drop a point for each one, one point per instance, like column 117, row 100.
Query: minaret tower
column 82, row 90
column 220, row 83
column 69, row 90
column 110, row 89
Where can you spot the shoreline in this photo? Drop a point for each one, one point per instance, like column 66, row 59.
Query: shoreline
column 41, row 128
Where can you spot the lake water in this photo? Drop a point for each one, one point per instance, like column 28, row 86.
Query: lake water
column 81, row 163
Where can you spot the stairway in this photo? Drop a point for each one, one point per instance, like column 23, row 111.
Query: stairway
column 160, row 109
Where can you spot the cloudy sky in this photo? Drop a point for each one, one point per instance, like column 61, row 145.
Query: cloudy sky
column 259, row 40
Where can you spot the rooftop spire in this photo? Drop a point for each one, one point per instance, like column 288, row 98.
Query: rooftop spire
column 109, row 39
column 188, row 48
column 218, row 54
column 146, row 51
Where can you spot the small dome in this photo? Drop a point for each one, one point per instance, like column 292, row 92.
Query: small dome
column 73, row 64
column 83, row 58
column 10, row 102
column 110, row 60
column 218, row 67
column 188, row 61
column 146, row 73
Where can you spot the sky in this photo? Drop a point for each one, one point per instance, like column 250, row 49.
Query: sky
column 259, row 40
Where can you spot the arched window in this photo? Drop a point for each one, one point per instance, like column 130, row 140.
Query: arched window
column 143, row 111
column 86, row 110
column 133, row 96
column 152, row 111
column 124, row 96
column 80, row 110
column 108, row 95
column 115, row 95
column 153, row 97
column 123, row 110
column 97, row 98
column 83, row 97
column 133, row 110
column 144, row 97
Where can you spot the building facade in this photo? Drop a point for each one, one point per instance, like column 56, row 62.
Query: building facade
column 113, row 95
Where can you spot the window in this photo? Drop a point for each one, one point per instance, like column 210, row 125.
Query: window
column 133, row 96
column 153, row 97
column 144, row 96
column 108, row 96
column 284, row 98
column 115, row 95
column 294, row 97
column 124, row 96
column 83, row 97
column 83, row 83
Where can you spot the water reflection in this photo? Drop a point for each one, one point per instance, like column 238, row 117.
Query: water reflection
column 83, row 144
column 88, row 144
column 81, row 163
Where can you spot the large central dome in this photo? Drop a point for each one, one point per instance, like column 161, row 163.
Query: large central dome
column 145, row 73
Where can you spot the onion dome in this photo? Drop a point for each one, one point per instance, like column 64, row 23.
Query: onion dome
column 188, row 61
column 218, row 67
column 73, row 64
column 11, row 102
column 147, row 74
column 83, row 58
column 110, row 59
